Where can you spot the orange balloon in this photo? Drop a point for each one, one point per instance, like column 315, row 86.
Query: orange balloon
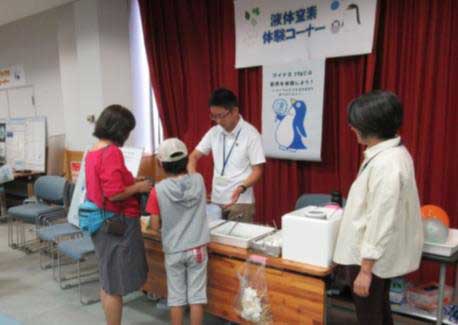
column 435, row 212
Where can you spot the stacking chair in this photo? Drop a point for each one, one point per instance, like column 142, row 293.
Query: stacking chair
column 48, row 201
column 52, row 232
column 77, row 250
column 312, row 199
column 317, row 199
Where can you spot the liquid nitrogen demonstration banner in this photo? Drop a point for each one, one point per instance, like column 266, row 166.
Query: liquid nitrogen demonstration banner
column 276, row 32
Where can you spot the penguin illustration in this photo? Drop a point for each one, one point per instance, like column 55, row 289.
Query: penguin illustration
column 284, row 133
column 298, row 125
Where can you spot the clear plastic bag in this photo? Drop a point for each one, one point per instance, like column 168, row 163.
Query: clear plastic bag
column 252, row 301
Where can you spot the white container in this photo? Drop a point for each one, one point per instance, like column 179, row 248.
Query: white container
column 238, row 234
column 310, row 240
column 446, row 249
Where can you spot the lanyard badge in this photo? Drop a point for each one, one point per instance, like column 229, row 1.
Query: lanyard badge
column 226, row 158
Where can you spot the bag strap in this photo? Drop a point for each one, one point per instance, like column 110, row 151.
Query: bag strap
column 101, row 188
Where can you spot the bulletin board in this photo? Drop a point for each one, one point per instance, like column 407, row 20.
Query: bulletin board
column 25, row 143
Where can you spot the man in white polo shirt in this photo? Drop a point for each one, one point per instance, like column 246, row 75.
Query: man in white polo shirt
column 238, row 156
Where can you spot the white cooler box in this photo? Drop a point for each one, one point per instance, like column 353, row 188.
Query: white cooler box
column 310, row 240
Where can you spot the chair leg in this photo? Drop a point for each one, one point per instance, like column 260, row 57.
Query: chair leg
column 54, row 259
column 10, row 232
column 59, row 268
column 13, row 230
column 47, row 246
column 26, row 245
column 89, row 300
column 79, row 281
column 42, row 252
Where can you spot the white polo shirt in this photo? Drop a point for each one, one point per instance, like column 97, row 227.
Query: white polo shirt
column 382, row 219
column 242, row 148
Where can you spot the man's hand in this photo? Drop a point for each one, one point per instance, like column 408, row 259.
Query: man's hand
column 235, row 196
column 362, row 283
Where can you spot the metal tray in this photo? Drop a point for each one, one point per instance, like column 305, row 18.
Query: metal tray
column 263, row 244
column 238, row 234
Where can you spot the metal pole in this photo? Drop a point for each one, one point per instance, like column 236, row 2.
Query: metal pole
column 440, row 297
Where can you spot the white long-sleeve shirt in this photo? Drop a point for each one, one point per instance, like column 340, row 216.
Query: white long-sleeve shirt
column 382, row 219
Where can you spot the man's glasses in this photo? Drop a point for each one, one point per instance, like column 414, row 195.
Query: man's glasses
column 219, row 116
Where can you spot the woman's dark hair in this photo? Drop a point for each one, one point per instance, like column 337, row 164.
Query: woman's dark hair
column 115, row 124
column 376, row 114
column 223, row 97
column 176, row 167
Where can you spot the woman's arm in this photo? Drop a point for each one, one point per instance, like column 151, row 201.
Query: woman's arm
column 138, row 187
column 363, row 280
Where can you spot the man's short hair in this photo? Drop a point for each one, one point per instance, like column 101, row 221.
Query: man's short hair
column 114, row 124
column 224, row 98
column 376, row 114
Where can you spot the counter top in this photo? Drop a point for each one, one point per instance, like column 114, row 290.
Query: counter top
column 243, row 254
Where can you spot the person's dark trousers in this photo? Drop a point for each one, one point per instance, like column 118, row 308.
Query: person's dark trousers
column 374, row 309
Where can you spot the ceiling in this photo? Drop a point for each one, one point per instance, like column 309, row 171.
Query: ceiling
column 11, row 10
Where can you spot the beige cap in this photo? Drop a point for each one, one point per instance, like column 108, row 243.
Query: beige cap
column 171, row 150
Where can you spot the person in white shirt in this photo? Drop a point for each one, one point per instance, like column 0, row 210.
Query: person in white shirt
column 381, row 234
column 238, row 157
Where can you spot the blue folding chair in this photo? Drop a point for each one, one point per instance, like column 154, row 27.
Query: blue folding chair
column 312, row 199
column 318, row 199
column 77, row 250
column 51, row 234
column 48, row 201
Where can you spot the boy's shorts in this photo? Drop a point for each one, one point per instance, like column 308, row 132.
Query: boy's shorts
column 187, row 277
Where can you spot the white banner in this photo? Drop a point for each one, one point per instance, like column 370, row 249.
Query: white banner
column 13, row 76
column 292, row 110
column 274, row 32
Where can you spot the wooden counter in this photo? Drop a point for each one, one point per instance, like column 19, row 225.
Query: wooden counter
column 296, row 290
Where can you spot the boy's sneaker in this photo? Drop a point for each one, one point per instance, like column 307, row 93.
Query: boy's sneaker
column 162, row 304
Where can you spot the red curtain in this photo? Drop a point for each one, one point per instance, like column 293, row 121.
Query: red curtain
column 191, row 51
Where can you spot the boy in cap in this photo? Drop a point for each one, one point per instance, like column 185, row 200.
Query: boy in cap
column 177, row 206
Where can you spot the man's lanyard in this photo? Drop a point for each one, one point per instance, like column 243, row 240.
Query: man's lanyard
column 367, row 162
column 226, row 159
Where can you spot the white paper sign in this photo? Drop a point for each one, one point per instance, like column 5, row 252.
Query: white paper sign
column 79, row 193
column 272, row 32
column 292, row 110
column 13, row 76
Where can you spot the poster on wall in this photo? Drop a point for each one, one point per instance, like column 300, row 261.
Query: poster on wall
column 292, row 110
column 13, row 76
column 75, row 167
column 25, row 143
column 274, row 32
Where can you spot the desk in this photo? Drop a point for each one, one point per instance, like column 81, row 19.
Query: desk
column 443, row 262
column 296, row 291
column 28, row 177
